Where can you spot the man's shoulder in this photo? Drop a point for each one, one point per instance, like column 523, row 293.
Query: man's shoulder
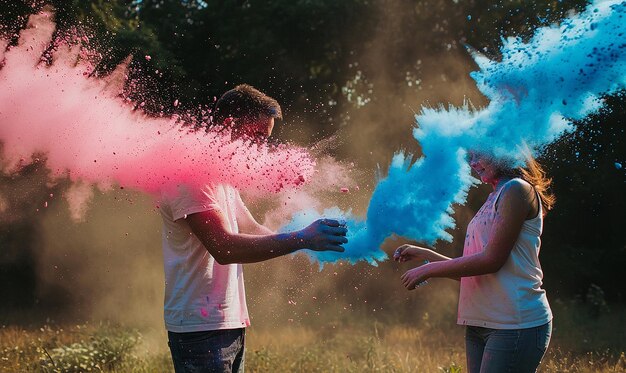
column 212, row 191
column 185, row 193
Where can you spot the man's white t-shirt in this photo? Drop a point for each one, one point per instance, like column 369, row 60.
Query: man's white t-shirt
column 200, row 293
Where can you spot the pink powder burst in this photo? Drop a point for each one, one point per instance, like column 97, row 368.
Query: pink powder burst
column 91, row 135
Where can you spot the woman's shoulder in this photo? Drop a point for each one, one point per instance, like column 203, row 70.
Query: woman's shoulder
column 518, row 189
column 517, row 184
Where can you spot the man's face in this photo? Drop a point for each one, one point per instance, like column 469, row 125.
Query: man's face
column 259, row 129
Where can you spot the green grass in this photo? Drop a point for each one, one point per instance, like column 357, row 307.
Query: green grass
column 581, row 343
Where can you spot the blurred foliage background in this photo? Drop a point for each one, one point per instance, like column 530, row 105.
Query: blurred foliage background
column 354, row 69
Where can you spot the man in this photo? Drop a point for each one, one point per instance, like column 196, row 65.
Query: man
column 207, row 234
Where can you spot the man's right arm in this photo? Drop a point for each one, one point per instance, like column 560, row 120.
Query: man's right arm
column 228, row 248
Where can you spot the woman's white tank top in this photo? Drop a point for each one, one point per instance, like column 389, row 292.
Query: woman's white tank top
column 511, row 298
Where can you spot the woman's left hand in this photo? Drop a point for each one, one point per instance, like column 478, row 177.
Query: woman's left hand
column 412, row 278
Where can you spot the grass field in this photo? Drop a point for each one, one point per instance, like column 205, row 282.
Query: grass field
column 361, row 344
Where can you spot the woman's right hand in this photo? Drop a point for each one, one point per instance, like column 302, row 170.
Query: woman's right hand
column 408, row 252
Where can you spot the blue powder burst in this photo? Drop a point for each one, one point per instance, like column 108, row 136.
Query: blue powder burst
column 535, row 92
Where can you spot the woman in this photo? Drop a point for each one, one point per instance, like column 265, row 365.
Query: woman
column 506, row 313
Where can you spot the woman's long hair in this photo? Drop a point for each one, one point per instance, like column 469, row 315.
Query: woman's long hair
column 534, row 174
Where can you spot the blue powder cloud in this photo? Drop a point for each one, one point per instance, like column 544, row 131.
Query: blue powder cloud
column 535, row 91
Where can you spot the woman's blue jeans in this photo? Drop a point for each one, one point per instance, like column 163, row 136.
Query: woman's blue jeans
column 506, row 350
column 218, row 351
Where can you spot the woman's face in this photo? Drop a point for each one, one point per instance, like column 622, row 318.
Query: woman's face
column 485, row 167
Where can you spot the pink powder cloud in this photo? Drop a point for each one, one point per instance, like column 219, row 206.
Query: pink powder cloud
column 89, row 134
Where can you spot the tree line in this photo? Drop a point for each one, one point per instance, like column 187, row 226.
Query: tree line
column 335, row 65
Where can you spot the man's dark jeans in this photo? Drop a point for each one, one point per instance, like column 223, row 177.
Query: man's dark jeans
column 208, row 351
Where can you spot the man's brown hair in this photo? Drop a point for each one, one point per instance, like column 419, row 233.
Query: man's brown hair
column 245, row 103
